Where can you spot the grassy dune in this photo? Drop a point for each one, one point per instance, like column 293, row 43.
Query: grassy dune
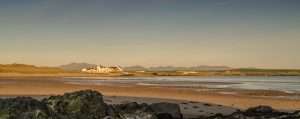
column 28, row 69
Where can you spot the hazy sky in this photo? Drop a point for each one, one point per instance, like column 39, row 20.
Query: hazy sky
column 238, row 33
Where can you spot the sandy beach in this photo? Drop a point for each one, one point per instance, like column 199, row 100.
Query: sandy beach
column 38, row 86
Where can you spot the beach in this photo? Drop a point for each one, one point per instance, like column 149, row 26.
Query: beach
column 242, row 99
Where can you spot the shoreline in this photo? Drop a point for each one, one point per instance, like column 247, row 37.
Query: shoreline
column 49, row 86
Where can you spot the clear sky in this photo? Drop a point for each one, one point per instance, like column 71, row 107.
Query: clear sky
column 237, row 33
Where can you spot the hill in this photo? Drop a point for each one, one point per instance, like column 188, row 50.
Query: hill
column 23, row 68
column 135, row 68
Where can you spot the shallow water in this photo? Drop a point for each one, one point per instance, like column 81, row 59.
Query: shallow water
column 289, row 84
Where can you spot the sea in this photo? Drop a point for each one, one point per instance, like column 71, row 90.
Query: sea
column 288, row 84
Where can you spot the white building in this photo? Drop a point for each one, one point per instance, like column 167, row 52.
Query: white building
column 102, row 69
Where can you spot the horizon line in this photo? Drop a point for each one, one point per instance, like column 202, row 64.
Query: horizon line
column 229, row 67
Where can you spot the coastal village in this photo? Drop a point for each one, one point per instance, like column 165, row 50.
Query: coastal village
column 102, row 69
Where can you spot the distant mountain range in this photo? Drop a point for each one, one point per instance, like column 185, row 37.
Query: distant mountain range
column 79, row 66
column 193, row 68
column 159, row 71
column 76, row 66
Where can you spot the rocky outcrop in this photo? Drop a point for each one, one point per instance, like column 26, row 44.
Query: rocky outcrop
column 134, row 111
column 24, row 108
column 79, row 105
column 167, row 110
column 260, row 112
column 90, row 105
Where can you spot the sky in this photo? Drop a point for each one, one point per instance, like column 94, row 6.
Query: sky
column 236, row 33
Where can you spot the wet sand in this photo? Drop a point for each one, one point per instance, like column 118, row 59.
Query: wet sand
column 48, row 86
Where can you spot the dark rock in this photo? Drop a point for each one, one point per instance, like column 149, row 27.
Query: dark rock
column 24, row 108
column 184, row 103
column 138, row 115
column 195, row 107
column 134, row 111
column 78, row 105
column 167, row 108
column 164, row 116
column 89, row 105
column 206, row 104
column 237, row 115
column 111, row 112
column 132, row 107
column 217, row 116
column 260, row 112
